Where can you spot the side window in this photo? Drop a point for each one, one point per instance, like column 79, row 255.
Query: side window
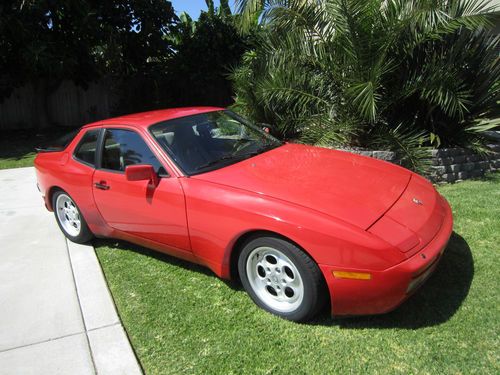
column 85, row 151
column 125, row 147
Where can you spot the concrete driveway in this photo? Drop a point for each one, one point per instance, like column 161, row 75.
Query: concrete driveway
column 56, row 313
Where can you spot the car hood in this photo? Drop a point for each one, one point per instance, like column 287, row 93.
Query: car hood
column 349, row 187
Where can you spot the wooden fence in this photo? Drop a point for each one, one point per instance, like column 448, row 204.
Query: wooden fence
column 69, row 105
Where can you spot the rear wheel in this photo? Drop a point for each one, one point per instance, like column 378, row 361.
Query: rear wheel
column 281, row 278
column 69, row 218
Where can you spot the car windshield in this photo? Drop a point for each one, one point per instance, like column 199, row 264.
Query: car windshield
column 211, row 140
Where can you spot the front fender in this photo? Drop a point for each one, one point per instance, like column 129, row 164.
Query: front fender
column 219, row 215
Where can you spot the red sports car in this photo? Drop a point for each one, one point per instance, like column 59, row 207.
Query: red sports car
column 298, row 225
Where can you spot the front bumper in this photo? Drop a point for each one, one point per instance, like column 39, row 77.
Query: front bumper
column 387, row 289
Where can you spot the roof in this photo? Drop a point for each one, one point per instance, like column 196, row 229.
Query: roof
column 145, row 119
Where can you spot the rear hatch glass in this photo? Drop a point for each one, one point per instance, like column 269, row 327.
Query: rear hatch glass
column 58, row 144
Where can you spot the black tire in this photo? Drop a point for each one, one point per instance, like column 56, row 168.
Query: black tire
column 313, row 291
column 84, row 234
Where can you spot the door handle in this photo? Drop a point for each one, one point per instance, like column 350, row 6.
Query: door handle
column 101, row 185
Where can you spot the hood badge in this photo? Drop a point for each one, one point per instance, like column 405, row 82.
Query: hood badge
column 417, row 201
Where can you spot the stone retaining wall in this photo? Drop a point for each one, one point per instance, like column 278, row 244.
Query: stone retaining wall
column 454, row 164
column 448, row 164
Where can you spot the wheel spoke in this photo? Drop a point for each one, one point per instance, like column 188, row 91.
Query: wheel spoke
column 275, row 279
column 295, row 283
column 68, row 215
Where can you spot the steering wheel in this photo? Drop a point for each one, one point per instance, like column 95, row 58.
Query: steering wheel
column 241, row 144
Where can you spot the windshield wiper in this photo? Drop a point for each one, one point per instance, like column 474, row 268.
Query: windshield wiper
column 216, row 161
column 259, row 150
column 236, row 157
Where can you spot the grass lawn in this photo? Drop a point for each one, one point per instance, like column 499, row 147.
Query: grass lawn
column 182, row 319
column 17, row 147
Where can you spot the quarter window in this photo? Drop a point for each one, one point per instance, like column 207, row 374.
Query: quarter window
column 125, row 147
column 85, row 151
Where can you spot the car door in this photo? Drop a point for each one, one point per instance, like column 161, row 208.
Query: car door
column 156, row 213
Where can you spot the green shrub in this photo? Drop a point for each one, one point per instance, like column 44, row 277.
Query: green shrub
column 398, row 75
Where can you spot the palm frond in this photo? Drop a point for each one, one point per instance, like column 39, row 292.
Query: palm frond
column 407, row 143
column 250, row 11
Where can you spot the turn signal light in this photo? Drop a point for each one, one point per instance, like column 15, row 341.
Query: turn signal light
column 352, row 275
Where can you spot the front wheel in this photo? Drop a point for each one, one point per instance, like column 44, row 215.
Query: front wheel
column 69, row 218
column 281, row 278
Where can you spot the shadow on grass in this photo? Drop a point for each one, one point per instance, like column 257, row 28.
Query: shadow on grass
column 489, row 177
column 127, row 246
column 436, row 301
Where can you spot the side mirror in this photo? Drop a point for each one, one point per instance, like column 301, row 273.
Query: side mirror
column 141, row 172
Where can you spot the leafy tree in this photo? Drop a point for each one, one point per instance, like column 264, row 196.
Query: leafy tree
column 205, row 52
column 47, row 41
column 389, row 74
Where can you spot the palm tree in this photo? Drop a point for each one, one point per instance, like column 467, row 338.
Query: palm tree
column 373, row 73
